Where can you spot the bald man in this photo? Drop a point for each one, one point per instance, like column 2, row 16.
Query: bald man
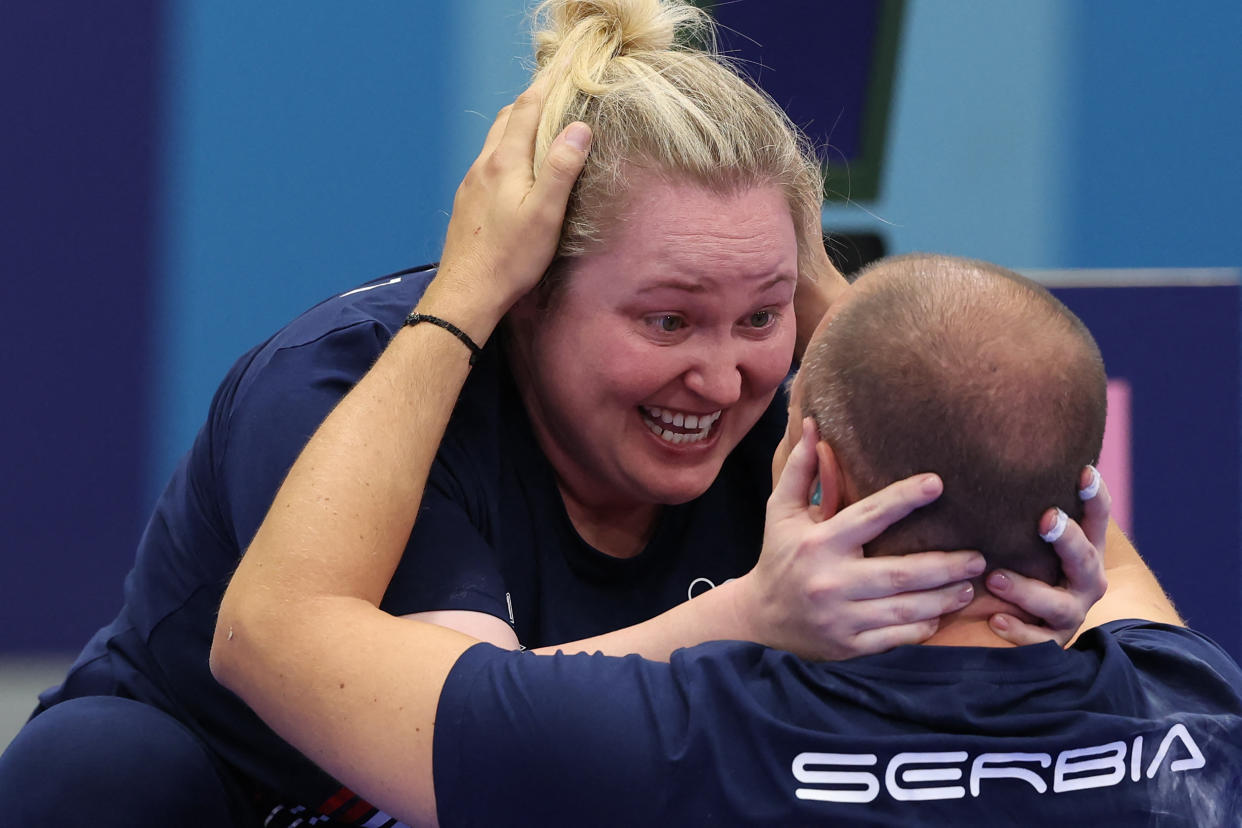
column 929, row 364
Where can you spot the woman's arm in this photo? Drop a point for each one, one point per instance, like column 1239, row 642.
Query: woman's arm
column 299, row 636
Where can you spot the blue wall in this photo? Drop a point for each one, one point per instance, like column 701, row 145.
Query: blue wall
column 78, row 193
column 253, row 158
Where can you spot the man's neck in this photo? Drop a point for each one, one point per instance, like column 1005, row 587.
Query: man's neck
column 968, row 627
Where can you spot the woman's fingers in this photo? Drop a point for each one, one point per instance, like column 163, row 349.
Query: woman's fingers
column 912, row 607
column 790, row 492
column 518, row 141
column 560, row 169
column 876, row 578
column 1016, row 631
column 1081, row 562
column 496, row 131
column 883, row 639
column 863, row 521
column 1061, row 610
column 1097, row 505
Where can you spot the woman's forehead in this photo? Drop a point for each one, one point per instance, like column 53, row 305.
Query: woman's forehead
column 682, row 235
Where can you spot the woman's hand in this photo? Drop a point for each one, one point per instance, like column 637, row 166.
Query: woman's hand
column 820, row 284
column 814, row 593
column 506, row 220
column 1080, row 548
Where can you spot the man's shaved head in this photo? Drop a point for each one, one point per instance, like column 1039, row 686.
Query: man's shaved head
column 963, row 368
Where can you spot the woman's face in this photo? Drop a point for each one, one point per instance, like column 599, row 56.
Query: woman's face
column 665, row 346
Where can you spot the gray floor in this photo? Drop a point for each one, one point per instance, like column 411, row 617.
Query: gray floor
column 21, row 679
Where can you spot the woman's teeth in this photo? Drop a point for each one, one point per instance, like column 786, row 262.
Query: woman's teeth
column 699, row 426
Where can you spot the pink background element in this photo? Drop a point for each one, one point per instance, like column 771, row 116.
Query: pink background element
column 1115, row 456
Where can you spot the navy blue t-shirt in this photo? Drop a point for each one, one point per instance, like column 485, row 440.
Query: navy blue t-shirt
column 1139, row 723
column 492, row 533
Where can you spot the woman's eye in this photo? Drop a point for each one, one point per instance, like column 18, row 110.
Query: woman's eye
column 667, row 323
column 761, row 319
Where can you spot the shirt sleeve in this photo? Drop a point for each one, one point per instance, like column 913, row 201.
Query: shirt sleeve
column 448, row 564
column 267, row 418
column 280, row 399
column 542, row 740
column 1190, row 664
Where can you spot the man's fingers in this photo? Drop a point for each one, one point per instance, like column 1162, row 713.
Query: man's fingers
column 863, row 521
column 916, row 572
column 790, row 492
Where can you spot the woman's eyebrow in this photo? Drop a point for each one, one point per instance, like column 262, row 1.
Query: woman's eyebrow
column 675, row 284
column 704, row 285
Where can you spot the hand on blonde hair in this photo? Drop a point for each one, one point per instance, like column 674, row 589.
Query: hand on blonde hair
column 507, row 218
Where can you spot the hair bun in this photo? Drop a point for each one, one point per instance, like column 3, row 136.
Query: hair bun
column 593, row 32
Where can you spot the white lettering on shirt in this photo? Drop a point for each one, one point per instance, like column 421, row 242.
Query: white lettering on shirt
column 836, row 777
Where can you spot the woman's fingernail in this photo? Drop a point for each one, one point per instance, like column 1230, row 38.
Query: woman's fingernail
column 1092, row 487
column 817, row 494
column 1058, row 528
column 999, row 582
column 976, row 566
column 1000, row 622
column 930, row 483
column 965, row 593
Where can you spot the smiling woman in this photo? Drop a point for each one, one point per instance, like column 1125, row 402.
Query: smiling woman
column 672, row 339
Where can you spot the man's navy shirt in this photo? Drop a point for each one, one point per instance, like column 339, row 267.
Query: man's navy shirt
column 1137, row 724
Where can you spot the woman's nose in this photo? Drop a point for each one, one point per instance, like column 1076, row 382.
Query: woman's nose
column 716, row 377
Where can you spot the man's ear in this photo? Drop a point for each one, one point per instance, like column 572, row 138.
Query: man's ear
column 831, row 482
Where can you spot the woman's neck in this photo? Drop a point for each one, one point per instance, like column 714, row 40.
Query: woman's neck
column 619, row 531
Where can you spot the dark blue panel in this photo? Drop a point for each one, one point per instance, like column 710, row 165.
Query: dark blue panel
column 76, row 202
column 813, row 58
column 1179, row 349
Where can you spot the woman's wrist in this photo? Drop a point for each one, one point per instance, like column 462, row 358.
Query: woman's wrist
column 472, row 310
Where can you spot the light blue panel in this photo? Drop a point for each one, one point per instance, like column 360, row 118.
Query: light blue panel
column 1157, row 121
column 977, row 150
column 305, row 152
column 489, row 67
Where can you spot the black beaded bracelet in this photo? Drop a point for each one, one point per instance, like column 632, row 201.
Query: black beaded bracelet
column 475, row 350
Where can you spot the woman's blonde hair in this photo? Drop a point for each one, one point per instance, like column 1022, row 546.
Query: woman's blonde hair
column 645, row 75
